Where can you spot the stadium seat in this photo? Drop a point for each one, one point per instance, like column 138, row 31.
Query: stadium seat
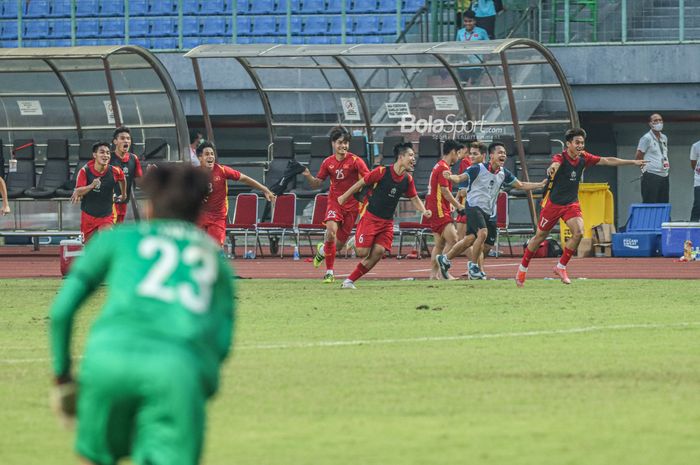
column 213, row 7
column 140, row 41
column 503, row 221
column 262, row 7
column 111, row 8
column 334, row 7
column 358, row 146
column 323, row 40
column 191, row 42
column 59, row 43
column 59, row 8
column 315, row 6
column 139, row 27
column 162, row 7
column 113, row 27
column 388, row 144
column 84, row 156
column 138, row 8
column 213, row 26
column 316, row 227
column 87, row 28
column 264, row 26
column 429, row 155
column 418, row 230
column 56, row 171
column 25, row 176
column 190, row 26
column 315, row 25
column 363, row 6
column 36, row 29
column 8, row 43
column 245, row 217
column 87, row 42
column 164, row 43
column 284, row 214
column 35, row 9
column 8, row 9
column 334, row 25
column 155, row 148
column 539, row 155
column 190, row 7
column 365, row 25
column 59, row 29
column 296, row 24
column 243, row 26
column 387, row 25
column 163, row 27
column 386, row 6
column 87, row 8
column 8, row 30
column 411, row 6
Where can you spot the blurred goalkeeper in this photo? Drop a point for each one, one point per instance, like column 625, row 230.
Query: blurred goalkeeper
column 153, row 356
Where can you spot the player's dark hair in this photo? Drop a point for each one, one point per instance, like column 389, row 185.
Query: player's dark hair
column 119, row 130
column 176, row 190
column 468, row 14
column 339, row 132
column 194, row 135
column 204, row 145
column 450, row 145
column 574, row 132
column 480, row 146
column 494, row 145
column 400, row 149
column 99, row 144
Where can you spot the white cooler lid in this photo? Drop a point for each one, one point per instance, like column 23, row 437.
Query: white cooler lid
column 680, row 225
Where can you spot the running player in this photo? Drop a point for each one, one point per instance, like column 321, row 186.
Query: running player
column 484, row 182
column 375, row 231
column 215, row 210
column 129, row 164
column 476, row 154
column 153, row 356
column 344, row 169
column 562, row 200
column 441, row 202
column 94, row 189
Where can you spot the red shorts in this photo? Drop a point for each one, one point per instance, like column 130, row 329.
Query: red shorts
column 89, row 224
column 461, row 219
column 374, row 230
column 215, row 228
column 121, row 208
column 344, row 216
column 120, row 218
column 438, row 225
column 551, row 213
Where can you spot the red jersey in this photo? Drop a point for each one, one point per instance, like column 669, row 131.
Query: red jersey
column 216, row 203
column 435, row 201
column 81, row 180
column 464, row 163
column 564, row 186
column 343, row 175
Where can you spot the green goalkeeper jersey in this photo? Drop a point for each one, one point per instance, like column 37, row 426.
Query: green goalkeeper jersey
column 169, row 288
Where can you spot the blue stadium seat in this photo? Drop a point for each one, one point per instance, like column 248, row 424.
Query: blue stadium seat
column 59, row 29
column 164, row 43
column 8, row 30
column 334, row 6
column 386, row 6
column 113, row 27
column 243, row 27
column 334, row 25
column 212, row 26
column 316, row 25
column 87, row 8
column 59, row 43
column 59, row 8
column 138, row 8
column 8, row 9
column 296, row 25
column 162, row 7
column 140, row 41
column 190, row 7
column 387, row 24
column 241, row 6
column 213, row 7
column 365, row 25
column 314, row 6
column 87, row 28
column 411, row 6
column 264, row 26
column 190, row 26
column 8, row 43
column 163, row 27
column 87, row 42
column 111, row 8
column 35, row 9
column 35, row 43
column 318, row 40
column 363, row 6
column 261, row 7
column 36, row 29
column 190, row 42
column 297, row 6
column 139, row 27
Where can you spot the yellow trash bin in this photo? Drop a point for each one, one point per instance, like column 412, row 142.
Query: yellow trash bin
column 597, row 205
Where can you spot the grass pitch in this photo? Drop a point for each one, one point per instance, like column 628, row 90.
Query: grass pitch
column 599, row 372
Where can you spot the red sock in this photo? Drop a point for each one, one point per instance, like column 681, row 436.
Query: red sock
column 527, row 256
column 359, row 271
column 329, row 252
column 566, row 256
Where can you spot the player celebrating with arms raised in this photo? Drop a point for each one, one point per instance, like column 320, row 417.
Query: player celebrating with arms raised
column 344, row 169
column 562, row 200
column 375, row 231
column 215, row 210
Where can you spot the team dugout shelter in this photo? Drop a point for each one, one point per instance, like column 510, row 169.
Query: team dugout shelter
column 510, row 90
column 56, row 102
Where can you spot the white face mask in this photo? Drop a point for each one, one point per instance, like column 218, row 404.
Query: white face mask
column 658, row 127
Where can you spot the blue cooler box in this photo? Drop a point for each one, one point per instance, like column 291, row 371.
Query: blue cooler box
column 636, row 244
column 674, row 235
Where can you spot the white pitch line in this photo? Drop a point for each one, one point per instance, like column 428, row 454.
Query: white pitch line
column 465, row 337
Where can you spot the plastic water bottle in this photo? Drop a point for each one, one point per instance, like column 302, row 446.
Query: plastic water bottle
column 296, row 252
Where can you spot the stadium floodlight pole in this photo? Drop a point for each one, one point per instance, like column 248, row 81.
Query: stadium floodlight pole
column 518, row 135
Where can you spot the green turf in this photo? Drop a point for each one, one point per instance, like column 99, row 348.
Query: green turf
column 439, row 373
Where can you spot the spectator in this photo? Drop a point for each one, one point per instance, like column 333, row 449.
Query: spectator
column 653, row 148
column 471, row 31
column 196, row 138
column 486, row 11
column 694, row 156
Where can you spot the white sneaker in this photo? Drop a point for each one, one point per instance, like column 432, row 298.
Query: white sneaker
column 347, row 284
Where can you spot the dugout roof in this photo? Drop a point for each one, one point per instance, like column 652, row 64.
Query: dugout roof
column 77, row 93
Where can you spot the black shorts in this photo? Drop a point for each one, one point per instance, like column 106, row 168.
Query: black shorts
column 476, row 220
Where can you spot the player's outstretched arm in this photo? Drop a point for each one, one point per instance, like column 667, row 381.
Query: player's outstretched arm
column 355, row 188
column 614, row 161
column 420, row 206
column 313, row 181
column 455, row 178
column 530, row 186
column 247, row 180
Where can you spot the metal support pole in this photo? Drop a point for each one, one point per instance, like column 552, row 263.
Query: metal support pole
column 343, row 18
column 681, row 20
column 289, row 21
column 567, row 20
column 623, row 20
column 179, row 24
column 112, row 95
column 202, row 100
